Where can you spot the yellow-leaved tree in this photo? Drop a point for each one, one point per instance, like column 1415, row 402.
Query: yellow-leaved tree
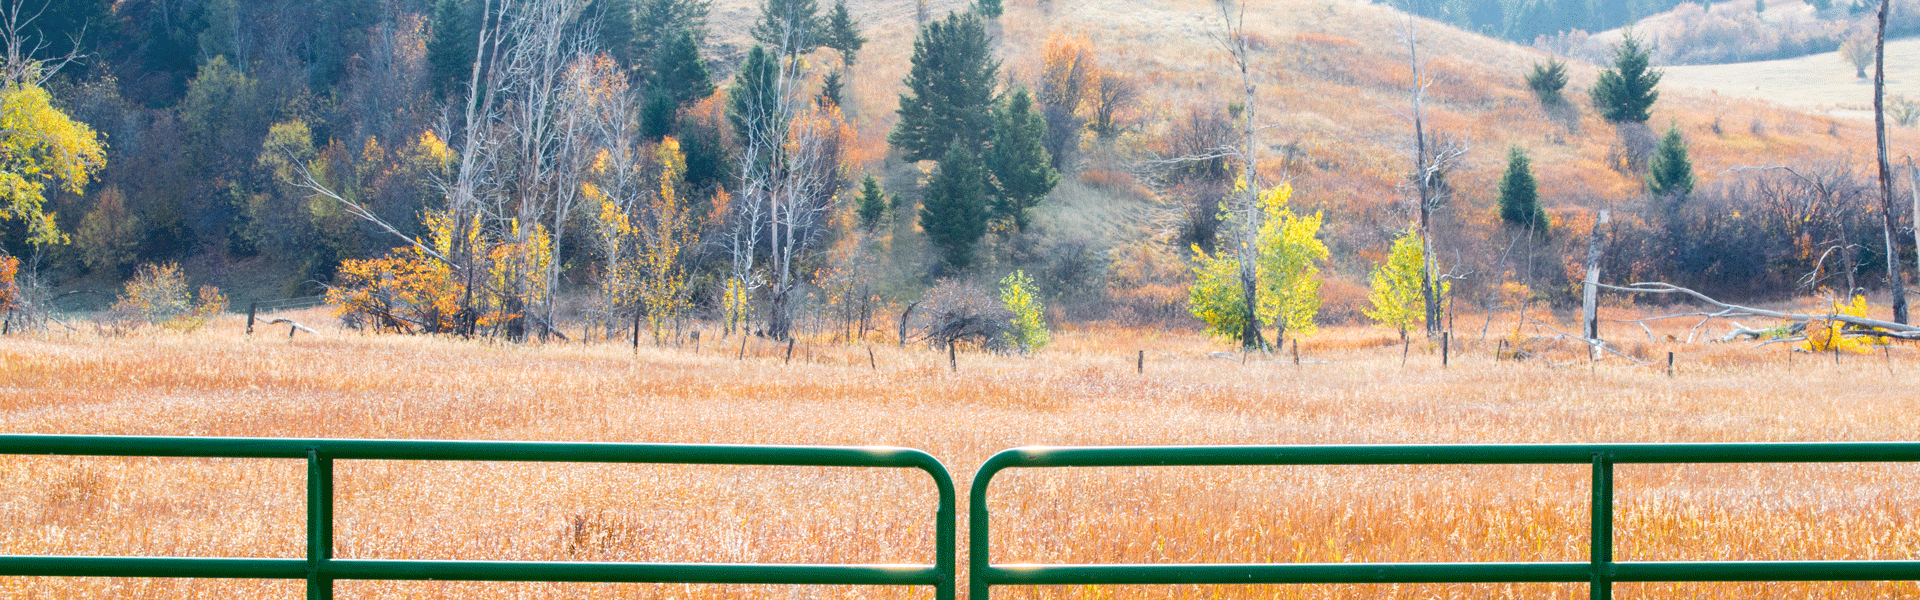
column 1829, row 335
column 1395, row 291
column 39, row 145
column 1287, row 287
column 645, row 234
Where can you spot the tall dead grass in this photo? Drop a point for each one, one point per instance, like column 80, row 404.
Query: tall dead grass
column 1352, row 388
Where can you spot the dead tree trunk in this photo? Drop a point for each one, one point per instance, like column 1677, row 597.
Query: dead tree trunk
column 1896, row 280
column 1589, row 298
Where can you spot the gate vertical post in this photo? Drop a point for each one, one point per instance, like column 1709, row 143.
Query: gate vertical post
column 1601, row 532
column 319, row 524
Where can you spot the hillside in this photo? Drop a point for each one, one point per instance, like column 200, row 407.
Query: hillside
column 1333, row 80
column 1820, row 82
column 187, row 112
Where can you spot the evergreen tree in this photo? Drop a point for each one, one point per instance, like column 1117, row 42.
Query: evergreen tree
column 451, row 45
column 1548, row 80
column 955, row 212
column 793, row 27
column 950, row 89
column 1519, row 193
column 1671, row 169
column 754, row 98
column 1022, row 171
column 988, row 8
column 656, row 22
column 680, row 78
column 612, row 22
column 831, row 88
column 1625, row 92
column 872, row 203
column 843, row 33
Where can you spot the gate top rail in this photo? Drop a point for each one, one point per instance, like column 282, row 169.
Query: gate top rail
column 1442, row 454
column 1600, row 570
column 320, row 569
column 465, row 450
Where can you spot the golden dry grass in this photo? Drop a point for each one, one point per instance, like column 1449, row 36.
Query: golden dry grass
column 1353, row 389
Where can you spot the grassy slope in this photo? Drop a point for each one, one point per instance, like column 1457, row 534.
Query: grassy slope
column 1817, row 82
column 1333, row 80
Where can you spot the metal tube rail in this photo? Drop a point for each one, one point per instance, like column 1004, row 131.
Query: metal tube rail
column 1600, row 571
column 320, row 569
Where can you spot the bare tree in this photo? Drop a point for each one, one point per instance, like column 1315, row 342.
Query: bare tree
column 1432, row 160
column 1242, row 205
column 1896, row 280
column 790, row 179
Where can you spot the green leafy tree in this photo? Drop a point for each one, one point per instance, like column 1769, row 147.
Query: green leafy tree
column 954, row 213
column 1520, row 193
column 1287, row 283
column 1671, row 171
column 1395, row 291
column 40, row 145
column 950, row 89
column 872, row 203
column 1022, row 170
column 1547, row 81
column 1626, row 91
column 793, row 27
column 843, row 33
column 1029, row 327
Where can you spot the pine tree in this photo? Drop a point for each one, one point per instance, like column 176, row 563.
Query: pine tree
column 1671, row 169
column 451, row 45
column 753, row 100
column 1022, row 172
column 950, row 89
column 612, row 22
column 656, row 22
column 988, row 8
column 1547, row 80
column 843, row 33
column 955, row 212
column 680, row 77
column 872, row 203
column 831, row 88
column 793, row 27
column 1519, row 193
column 1625, row 92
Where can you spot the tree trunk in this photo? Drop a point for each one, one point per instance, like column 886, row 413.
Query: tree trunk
column 1589, row 298
column 780, row 315
column 1896, row 280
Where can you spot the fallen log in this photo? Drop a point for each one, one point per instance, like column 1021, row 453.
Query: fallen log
column 1872, row 327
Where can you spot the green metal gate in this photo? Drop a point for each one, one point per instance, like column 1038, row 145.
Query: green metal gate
column 1600, row 571
column 320, row 569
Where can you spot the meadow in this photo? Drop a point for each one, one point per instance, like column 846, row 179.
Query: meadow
column 1353, row 386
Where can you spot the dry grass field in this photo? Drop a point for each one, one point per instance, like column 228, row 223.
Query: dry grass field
column 1817, row 82
column 1353, row 388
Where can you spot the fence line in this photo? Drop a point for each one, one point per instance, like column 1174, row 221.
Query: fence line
column 320, row 569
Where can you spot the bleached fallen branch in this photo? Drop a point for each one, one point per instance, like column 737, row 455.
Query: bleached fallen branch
column 1731, row 311
column 294, row 324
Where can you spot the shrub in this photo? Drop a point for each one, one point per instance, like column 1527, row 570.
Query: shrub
column 157, row 295
column 1028, row 330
